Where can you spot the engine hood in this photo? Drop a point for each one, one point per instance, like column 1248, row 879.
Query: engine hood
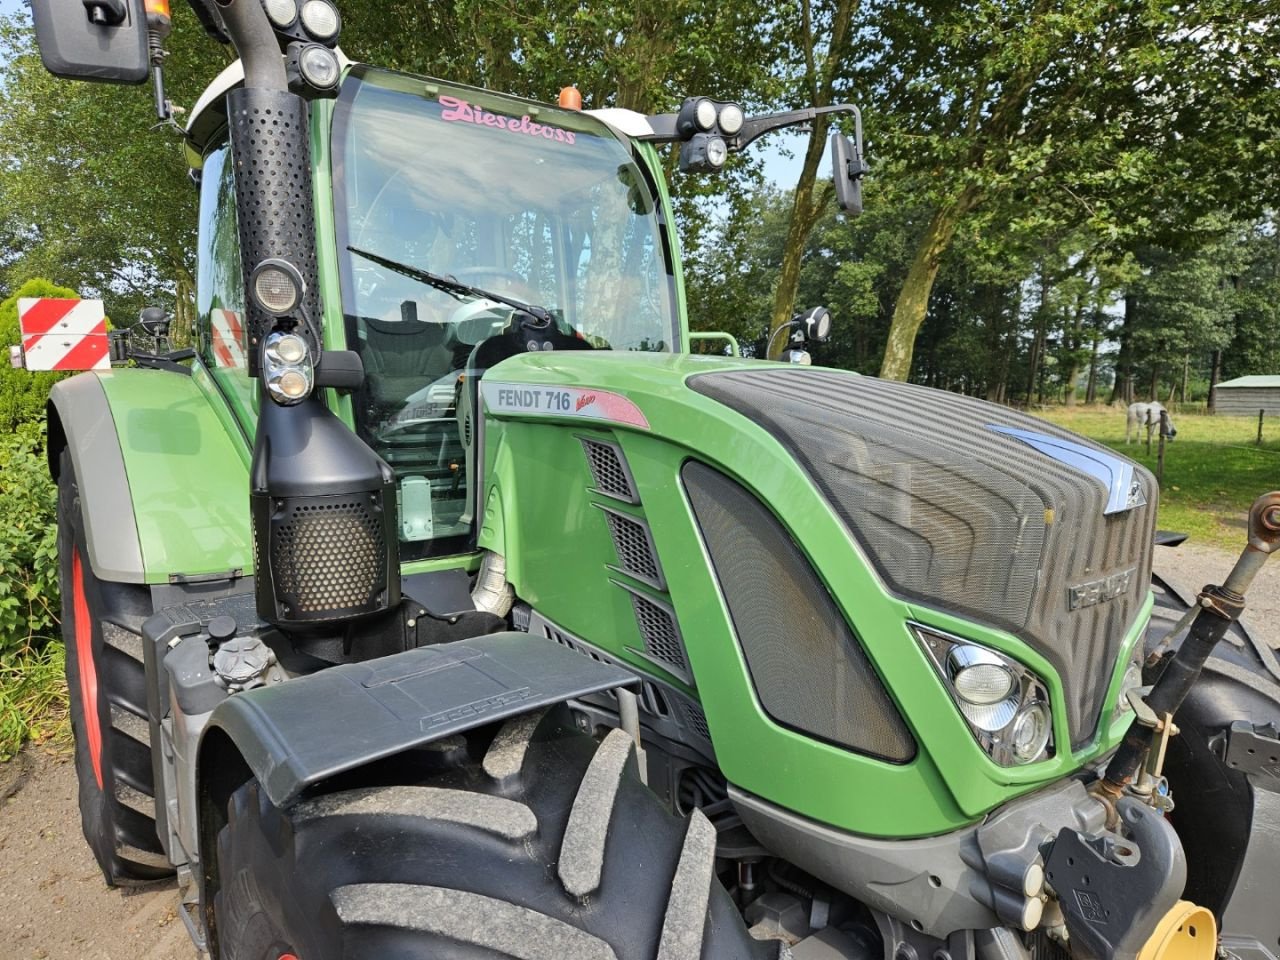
column 959, row 505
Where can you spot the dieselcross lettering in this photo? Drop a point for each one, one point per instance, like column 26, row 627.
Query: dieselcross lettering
column 1100, row 591
column 459, row 111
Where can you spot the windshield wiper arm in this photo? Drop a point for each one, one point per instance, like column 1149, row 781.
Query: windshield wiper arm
column 452, row 285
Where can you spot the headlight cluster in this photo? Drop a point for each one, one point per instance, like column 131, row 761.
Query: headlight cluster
column 288, row 368
column 704, row 124
column 310, row 29
column 1005, row 704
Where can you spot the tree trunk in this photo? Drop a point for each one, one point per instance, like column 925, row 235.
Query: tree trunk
column 805, row 208
column 805, row 211
column 913, row 301
column 1123, row 390
column 1215, row 371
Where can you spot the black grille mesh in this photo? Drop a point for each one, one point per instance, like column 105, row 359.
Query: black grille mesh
column 809, row 671
column 957, row 515
column 660, row 634
column 326, row 553
column 609, row 470
column 634, row 547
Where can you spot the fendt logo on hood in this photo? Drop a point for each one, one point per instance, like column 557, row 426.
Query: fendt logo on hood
column 1100, row 591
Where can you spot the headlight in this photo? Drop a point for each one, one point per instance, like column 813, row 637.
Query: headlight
column 1003, row 702
column 1030, row 733
column 320, row 18
column 277, row 286
column 731, row 118
column 282, row 13
column 717, row 152
column 319, row 66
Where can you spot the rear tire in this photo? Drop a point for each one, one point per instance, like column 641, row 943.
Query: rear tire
column 546, row 847
column 102, row 630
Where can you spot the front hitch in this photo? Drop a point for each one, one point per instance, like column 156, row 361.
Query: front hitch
column 1219, row 607
column 1118, row 891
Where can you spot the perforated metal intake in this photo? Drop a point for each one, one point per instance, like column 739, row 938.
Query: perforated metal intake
column 634, row 545
column 326, row 555
column 610, row 470
column 271, row 150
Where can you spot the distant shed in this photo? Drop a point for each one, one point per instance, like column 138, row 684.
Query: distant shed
column 1247, row 395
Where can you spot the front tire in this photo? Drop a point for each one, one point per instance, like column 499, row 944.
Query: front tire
column 106, row 680
column 536, row 845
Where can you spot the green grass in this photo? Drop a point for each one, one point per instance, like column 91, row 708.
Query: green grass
column 33, row 700
column 1213, row 471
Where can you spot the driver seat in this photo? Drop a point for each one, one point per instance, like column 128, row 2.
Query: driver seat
column 400, row 357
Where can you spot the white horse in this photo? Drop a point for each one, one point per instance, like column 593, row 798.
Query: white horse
column 1149, row 415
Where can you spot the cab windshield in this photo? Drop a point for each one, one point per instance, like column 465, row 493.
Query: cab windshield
column 541, row 206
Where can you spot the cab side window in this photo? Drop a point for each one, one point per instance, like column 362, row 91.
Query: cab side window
column 220, row 298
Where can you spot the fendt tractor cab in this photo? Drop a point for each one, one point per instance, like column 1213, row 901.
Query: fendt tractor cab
column 447, row 605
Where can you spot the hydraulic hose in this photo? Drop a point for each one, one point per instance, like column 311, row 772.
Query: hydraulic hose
column 1219, row 608
column 250, row 33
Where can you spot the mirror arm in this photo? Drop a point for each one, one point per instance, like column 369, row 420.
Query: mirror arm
column 249, row 30
column 663, row 125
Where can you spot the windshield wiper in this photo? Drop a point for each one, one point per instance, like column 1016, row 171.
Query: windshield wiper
column 454, row 286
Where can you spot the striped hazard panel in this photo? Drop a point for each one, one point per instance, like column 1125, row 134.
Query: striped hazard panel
column 62, row 334
column 227, row 336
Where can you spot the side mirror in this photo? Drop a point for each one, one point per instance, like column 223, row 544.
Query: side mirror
column 815, row 324
column 103, row 40
column 154, row 321
column 848, row 169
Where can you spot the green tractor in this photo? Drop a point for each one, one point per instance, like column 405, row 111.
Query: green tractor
column 447, row 605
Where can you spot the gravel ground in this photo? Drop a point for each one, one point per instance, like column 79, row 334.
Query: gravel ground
column 1190, row 567
column 53, row 902
column 54, row 905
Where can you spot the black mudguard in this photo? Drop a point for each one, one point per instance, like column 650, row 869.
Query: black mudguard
column 1227, row 811
column 296, row 734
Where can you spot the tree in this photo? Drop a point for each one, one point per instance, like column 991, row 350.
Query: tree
column 1097, row 114
column 88, row 194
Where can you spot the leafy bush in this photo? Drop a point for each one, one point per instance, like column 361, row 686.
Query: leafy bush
column 33, row 700
column 23, row 394
column 28, row 543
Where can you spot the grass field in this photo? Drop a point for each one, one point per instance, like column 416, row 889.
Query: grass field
column 1213, row 471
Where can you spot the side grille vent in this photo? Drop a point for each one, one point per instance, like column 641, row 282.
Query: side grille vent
column 634, row 546
column 666, row 709
column 610, row 471
column 697, row 720
column 662, row 641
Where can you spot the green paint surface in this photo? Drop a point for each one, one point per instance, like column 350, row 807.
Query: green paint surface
column 187, row 470
column 561, row 560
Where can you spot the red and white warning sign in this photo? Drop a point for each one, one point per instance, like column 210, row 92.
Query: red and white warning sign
column 227, row 334
column 63, row 334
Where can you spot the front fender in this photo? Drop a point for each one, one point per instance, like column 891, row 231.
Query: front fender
column 164, row 487
column 293, row 735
